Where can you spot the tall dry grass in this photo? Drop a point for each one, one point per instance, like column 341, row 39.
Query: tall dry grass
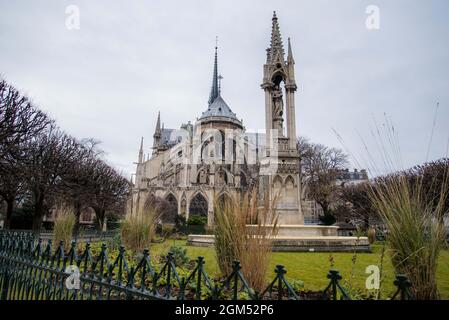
column 416, row 233
column 64, row 224
column 138, row 230
column 244, row 231
column 415, row 229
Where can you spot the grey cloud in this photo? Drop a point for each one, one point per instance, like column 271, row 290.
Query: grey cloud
column 131, row 59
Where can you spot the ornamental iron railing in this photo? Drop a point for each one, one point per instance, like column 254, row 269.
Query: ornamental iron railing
column 31, row 270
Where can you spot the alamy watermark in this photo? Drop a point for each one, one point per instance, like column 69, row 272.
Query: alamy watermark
column 209, row 146
column 73, row 280
column 72, row 20
column 373, row 280
column 372, row 21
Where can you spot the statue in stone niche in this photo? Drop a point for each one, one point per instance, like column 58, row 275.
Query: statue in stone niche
column 278, row 109
column 203, row 177
column 220, row 177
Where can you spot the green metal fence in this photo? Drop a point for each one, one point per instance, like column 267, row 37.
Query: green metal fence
column 31, row 270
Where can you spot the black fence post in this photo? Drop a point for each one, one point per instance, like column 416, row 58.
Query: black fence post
column 5, row 284
column 404, row 285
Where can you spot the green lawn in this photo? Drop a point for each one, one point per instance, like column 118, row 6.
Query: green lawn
column 312, row 267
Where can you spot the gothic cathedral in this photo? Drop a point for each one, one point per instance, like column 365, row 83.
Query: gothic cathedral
column 215, row 158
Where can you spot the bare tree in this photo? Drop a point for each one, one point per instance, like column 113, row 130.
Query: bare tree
column 78, row 183
column 20, row 121
column 49, row 156
column 42, row 164
column 434, row 177
column 109, row 193
column 320, row 166
column 360, row 209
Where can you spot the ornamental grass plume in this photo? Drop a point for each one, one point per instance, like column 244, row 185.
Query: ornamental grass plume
column 411, row 204
column 416, row 233
column 138, row 230
column 63, row 225
column 244, row 231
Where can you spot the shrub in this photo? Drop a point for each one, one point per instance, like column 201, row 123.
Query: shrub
column 116, row 242
column 180, row 221
column 167, row 230
column 226, row 241
column 63, row 225
column 180, row 256
column 194, row 229
column 243, row 231
column 327, row 219
column 22, row 218
column 297, row 285
column 195, row 220
column 138, row 230
column 113, row 221
column 415, row 230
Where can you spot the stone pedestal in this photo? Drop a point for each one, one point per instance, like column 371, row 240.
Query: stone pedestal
column 302, row 238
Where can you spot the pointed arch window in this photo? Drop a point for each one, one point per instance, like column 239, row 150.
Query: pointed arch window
column 290, row 188
column 198, row 206
column 171, row 210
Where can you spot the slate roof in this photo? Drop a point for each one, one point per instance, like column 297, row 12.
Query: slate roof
column 219, row 108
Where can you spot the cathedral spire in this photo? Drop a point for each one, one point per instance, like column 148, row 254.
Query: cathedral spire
column 276, row 49
column 158, row 123
column 141, row 151
column 214, row 91
column 157, row 133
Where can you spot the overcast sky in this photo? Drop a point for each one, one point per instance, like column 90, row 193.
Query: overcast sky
column 130, row 59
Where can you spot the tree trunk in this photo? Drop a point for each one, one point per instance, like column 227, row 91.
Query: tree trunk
column 99, row 213
column 9, row 211
column 325, row 208
column 328, row 217
column 76, row 228
column 37, row 221
column 38, row 212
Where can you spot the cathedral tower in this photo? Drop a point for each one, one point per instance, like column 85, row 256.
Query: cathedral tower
column 282, row 158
